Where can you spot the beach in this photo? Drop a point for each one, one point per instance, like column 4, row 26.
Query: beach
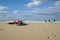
column 31, row 31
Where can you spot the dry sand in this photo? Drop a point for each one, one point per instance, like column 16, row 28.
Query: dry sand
column 32, row 31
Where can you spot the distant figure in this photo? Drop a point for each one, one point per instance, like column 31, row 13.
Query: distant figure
column 20, row 22
column 54, row 20
column 49, row 20
column 45, row 21
column 15, row 22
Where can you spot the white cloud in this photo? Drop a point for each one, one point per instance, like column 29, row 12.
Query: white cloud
column 16, row 11
column 39, row 2
column 3, row 10
column 35, row 3
column 49, row 10
column 3, row 7
column 57, row 4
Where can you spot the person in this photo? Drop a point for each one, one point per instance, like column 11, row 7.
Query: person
column 49, row 20
column 20, row 22
column 54, row 20
column 14, row 22
column 45, row 21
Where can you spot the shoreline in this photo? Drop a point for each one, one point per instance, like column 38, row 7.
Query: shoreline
column 35, row 21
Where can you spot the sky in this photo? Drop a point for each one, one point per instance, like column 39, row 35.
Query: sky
column 30, row 10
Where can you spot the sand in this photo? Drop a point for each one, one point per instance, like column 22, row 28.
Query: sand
column 32, row 31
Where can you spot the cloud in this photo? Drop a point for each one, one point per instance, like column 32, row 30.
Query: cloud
column 3, row 10
column 4, row 14
column 34, row 3
column 3, row 7
column 38, row 2
column 49, row 10
column 57, row 3
column 16, row 11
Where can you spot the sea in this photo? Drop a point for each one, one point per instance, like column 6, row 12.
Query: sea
column 31, row 21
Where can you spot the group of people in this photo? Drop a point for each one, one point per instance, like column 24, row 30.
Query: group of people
column 19, row 22
column 16, row 22
column 50, row 20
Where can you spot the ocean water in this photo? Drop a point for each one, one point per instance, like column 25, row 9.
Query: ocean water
column 42, row 21
column 33, row 21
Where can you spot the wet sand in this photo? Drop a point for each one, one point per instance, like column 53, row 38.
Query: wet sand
column 32, row 31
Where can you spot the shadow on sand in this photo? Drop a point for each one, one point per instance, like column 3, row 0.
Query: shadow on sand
column 21, row 24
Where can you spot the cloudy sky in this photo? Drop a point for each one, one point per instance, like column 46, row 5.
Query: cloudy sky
column 29, row 9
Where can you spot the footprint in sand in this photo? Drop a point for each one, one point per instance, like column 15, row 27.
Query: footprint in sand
column 53, row 34
column 1, row 29
column 48, row 37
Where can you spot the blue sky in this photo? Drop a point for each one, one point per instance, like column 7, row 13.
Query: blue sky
column 29, row 9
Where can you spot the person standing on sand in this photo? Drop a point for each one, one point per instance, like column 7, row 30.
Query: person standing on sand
column 54, row 20
column 49, row 20
column 45, row 21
